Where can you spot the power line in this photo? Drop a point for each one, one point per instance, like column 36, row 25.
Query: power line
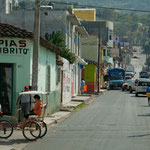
column 100, row 7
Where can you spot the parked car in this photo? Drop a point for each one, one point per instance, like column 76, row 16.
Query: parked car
column 128, row 77
column 125, row 85
column 135, row 56
column 141, row 86
column 134, row 50
column 144, row 74
column 130, row 73
column 132, row 85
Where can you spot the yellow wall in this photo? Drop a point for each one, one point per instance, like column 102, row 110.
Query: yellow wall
column 85, row 14
column 90, row 73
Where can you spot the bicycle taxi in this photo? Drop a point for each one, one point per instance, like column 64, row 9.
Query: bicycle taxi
column 34, row 128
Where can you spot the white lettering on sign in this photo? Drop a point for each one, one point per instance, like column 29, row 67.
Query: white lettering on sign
column 13, row 47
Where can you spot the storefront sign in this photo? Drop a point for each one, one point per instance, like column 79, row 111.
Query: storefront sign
column 13, row 47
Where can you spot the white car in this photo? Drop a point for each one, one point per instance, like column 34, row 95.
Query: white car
column 141, row 86
column 132, row 85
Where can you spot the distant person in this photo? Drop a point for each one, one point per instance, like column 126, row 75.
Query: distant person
column 24, row 101
column 148, row 94
column 82, row 86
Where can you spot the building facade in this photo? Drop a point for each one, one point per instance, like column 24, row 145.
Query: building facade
column 88, row 14
column 52, row 21
column 16, row 57
column 101, row 40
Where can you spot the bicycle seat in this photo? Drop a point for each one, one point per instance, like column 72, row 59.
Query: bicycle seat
column 33, row 117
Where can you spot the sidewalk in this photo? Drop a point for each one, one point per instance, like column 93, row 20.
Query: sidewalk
column 18, row 142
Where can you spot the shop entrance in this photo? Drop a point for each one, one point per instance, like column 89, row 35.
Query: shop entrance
column 6, row 87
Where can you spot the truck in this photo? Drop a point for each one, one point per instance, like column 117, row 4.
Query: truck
column 116, row 77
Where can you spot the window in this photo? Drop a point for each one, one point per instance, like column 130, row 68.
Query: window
column 58, row 75
column 48, row 77
column 104, row 52
column 110, row 37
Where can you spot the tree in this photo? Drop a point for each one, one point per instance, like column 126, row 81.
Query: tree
column 26, row 4
column 59, row 40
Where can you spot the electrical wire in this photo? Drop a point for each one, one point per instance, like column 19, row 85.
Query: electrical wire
column 99, row 7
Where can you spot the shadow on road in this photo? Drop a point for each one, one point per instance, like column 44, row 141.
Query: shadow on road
column 139, row 96
column 143, row 135
column 144, row 115
column 144, row 106
column 13, row 141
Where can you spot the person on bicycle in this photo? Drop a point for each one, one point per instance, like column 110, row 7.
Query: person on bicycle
column 36, row 111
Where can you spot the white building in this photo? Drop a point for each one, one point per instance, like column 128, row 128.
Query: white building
column 7, row 5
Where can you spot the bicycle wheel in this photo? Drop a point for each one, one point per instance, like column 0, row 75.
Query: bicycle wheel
column 43, row 128
column 6, row 129
column 31, row 131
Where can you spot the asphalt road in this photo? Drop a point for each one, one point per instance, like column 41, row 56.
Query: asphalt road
column 138, row 62
column 115, row 121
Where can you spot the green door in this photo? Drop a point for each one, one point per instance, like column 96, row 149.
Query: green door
column 6, row 87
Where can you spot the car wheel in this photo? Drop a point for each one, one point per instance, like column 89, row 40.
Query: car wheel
column 130, row 89
column 136, row 94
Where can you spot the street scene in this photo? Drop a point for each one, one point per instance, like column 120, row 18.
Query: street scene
column 74, row 75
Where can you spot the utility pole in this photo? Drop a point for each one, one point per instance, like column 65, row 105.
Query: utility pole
column 36, row 45
column 99, row 48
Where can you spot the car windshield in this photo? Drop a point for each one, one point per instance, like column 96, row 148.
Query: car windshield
column 144, row 83
column 129, row 81
column 116, row 78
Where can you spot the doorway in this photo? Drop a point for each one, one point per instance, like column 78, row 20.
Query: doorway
column 6, row 87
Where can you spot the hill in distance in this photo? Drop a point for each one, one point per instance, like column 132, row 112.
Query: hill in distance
column 131, row 4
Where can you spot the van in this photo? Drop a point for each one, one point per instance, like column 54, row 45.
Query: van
column 141, row 86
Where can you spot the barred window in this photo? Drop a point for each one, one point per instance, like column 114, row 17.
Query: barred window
column 58, row 75
column 48, row 77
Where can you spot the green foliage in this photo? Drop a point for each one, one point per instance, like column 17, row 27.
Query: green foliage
column 127, row 24
column 59, row 40
column 131, row 4
column 26, row 4
column 146, row 47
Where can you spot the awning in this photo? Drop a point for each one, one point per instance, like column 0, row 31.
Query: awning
column 81, row 61
column 82, row 31
column 73, row 19
column 34, row 92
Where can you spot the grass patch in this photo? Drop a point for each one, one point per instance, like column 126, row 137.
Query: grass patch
column 79, row 106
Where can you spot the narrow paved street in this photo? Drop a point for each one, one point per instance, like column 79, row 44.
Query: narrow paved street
column 115, row 121
column 138, row 62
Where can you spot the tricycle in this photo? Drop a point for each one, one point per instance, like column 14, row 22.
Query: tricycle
column 34, row 128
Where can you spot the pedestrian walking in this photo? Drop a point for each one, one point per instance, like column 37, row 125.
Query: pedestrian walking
column 25, row 102
column 82, row 86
